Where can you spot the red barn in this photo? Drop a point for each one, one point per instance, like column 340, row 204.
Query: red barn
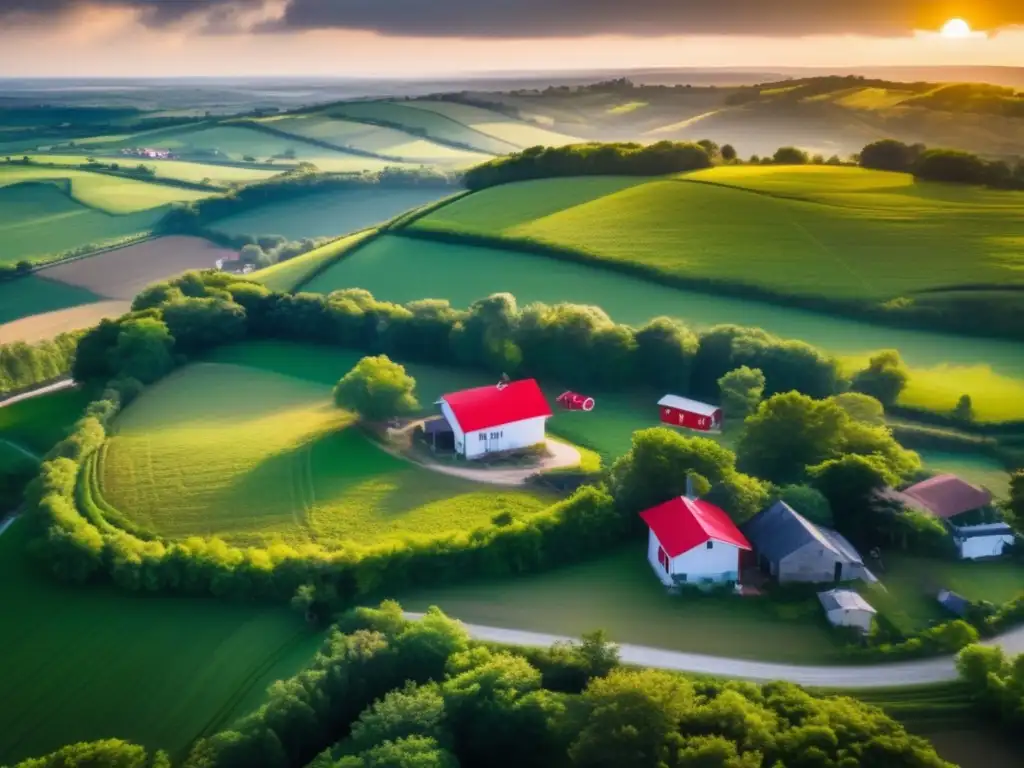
column 692, row 414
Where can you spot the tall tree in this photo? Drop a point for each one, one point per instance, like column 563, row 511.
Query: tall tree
column 377, row 389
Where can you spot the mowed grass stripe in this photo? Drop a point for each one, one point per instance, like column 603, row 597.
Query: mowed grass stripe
column 253, row 455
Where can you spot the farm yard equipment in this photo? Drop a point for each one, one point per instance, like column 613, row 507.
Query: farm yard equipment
column 573, row 401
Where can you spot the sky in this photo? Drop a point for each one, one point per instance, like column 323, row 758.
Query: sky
column 422, row 38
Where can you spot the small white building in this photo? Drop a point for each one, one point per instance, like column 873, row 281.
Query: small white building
column 693, row 542
column 505, row 417
column 845, row 608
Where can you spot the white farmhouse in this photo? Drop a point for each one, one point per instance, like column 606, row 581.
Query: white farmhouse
column 505, row 417
column 693, row 542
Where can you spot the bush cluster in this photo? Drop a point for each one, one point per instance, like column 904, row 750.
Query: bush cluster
column 949, row 165
column 996, row 683
column 388, row 693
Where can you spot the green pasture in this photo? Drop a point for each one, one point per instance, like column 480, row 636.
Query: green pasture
column 329, row 213
column 389, row 142
column 180, row 170
column 39, row 423
column 876, row 236
column 38, row 219
column 944, row 366
column 236, row 142
column 106, row 193
column 86, row 663
column 253, row 455
column 619, row 593
column 289, row 275
column 421, row 122
column 34, row 294
column 502, row 127
column 973, row 467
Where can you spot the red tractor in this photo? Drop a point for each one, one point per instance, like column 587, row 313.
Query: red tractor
column 573, row 401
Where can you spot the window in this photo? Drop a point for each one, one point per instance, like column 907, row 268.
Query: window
column 482, row 437
column 663, row 559
column 711, row 545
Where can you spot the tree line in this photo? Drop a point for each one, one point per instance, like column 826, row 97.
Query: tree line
column 179, row 320
column 23, row 366
column 947, row 165
column 384, row 692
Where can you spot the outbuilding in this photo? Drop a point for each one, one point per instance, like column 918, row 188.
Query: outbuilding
column 693, row 542
column 845, row 608
column 691, row 414
column 508, row 416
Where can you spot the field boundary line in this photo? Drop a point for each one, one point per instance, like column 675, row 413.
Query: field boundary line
column 502, row 117
column 282, row 134
column 460, row 124
column 22, row 450
column 451, row 144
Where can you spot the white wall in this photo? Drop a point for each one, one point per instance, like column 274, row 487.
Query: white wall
column 844, row 617
column 460, row 437
column 984, row 546
column 720, row 563
column 653, row 545
column 507, row 437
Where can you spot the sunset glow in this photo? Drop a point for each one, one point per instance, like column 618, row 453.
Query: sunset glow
column 956, row 28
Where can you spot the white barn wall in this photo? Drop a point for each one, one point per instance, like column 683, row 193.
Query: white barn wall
column 460, row 436
column 976, row 547
column 720, row 563
column 505, row 437
column 846, row 617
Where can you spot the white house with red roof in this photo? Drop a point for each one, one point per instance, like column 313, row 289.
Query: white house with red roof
column 509, row 416
column 693, row 542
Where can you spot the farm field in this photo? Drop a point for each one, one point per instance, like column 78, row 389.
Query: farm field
column 254, row 455
column 39, row 220
column 421, row 122
column 944, row 366
column 388, row 142
column 39, row 423
column 172, row 169
column 501, row 127
column 618, row 593
column 289, row 275
column 877, row 236
column 89, row 663
column 111, row 279
column 103, row 192
column 328, row 213
column 236, row 143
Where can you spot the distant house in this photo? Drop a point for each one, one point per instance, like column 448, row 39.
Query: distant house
column 793, row 549
column 504, row 417
column 692, row 414
column 977, row 528
column 693, row 542
column 953, row 602
column 845, row 608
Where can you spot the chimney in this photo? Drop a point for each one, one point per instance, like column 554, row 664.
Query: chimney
column 689, row 487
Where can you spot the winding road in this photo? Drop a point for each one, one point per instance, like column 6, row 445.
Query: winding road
column 896, row 674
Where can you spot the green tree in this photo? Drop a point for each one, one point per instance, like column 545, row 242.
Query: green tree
column 809, row 502
column 888, row 155
column 411, row 711
column 963, row 411
column 741, row 391
column 863, row 408
column 728, row 153
column 143, row 350
column 377, row 389
column 1016, row 501
column 851, row 484
column 884, row 378
column 109, row 753
column 790, row 156
column 411, row 752
column 665, row 354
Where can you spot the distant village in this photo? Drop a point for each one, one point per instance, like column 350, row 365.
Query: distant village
column 148, row 153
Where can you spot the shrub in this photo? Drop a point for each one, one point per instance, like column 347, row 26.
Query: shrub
column 790, row 156
column 377, row 389
column 884, row 379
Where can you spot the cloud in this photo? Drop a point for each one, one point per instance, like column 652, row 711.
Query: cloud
column 549, row 18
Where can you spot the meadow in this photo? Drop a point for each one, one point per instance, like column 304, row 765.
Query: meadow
column 868, row 235
column 944, row 366
column 39, row 423
column 516, row 132
column 85, row 663
column 289, row 275
column 79, row 293
column 329, row 213
column 252, row 454
column 180, row 170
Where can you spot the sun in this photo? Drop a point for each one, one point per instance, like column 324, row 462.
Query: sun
column 956, row 28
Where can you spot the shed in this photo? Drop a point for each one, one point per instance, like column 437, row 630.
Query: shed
column 793, row 549
column 692, row 414
column 693, row 542
column 496, row 419
column 953, row 602
column 845, row 608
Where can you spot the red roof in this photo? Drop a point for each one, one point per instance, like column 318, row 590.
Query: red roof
column 486, row 407
column 947, row 496
column 682, row 524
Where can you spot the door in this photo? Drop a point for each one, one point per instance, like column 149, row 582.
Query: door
column 839, row 572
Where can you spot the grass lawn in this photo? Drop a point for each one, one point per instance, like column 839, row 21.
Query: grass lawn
column 876, row 236
column 495, row 124
column 373, row 138
column 110, row 194
column 911, row 583
column 289, row 275
column 250, row 453
column 618, row 593
column 38, row 219
column 944, row 366
column 328, row 213
column 81, row 663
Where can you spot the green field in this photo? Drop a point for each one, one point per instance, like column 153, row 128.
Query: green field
column 973, row 467
column 329, row 213
column 289, row 275
column 257, row 452
column 34, row 295
column 38, row 423
column 423, row 122
column 80, row 664
column 618, row 593
column 388, row 142
column 944, row 366
column 173, row 169
column 867, row 235
column 38, row 219
column 110, row 194
column 495, row 124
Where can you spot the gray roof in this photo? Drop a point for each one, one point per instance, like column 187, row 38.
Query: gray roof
column 954, row 602
column 780, row 530
column 844, row 599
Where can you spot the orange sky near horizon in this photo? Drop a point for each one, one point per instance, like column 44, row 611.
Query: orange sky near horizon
column 110, row 43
